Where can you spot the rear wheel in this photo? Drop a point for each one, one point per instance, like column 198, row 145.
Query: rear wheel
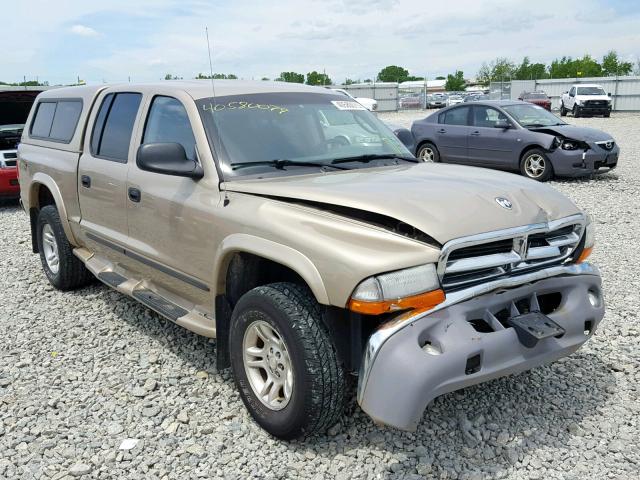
column 428, row 152
column 62, row 268
column 284, row 362
column 536, row 165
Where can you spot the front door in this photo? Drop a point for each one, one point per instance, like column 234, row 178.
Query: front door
column 171, row 225
column 102, row 170
column 488, row 145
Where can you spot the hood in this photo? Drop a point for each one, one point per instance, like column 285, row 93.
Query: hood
column 442, row 201
column 576, row 133
column 593, row 97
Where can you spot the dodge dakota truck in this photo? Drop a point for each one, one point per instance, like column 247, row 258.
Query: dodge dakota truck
column 236, row 211
column 585, row 99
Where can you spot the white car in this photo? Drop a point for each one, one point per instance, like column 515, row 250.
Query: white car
column 585, row 99
column 368, row 103
column 454, row 100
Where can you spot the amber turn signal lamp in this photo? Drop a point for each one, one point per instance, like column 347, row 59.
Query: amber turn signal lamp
column 584, row 255
column 423, row 301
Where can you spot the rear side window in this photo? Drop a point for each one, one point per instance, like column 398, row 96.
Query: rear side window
column 455, row 116
column 56, row 120
column 112, row 131
column 168, row 122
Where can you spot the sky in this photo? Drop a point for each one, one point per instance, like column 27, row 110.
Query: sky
column 142, row 40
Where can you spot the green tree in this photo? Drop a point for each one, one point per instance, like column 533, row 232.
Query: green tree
column 393, row 73
column 265, row 79
column 567, row 67
column 411, row 78
column 348, row 81
column 612, row 65
column 455, row 82
column 441, row 78
column 316, row 78
column 291, row 77
column 529, row 71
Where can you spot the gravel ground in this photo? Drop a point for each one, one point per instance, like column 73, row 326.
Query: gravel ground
column 95, row 385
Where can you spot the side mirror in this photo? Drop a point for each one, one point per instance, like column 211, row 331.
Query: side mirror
column 406, row 137
column 572, row 94
column 168, row 159
column 609, row 93
column 502, row 123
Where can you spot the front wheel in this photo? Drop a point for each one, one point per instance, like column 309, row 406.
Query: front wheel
column 428, row 153
column 563, row 111
column 576, row 111
column 62, row 268
column 284, row 362
column 536, row 165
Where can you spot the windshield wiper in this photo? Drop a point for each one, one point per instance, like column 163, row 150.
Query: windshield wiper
column 280, row 163
column 369, row 157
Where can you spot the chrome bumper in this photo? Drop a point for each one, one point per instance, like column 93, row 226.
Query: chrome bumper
column 398, row 378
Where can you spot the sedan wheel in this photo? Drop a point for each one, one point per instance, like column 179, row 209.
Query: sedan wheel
column 428, row 153
column 536, row 166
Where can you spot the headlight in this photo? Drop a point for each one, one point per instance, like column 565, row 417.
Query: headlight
column 589, row 240
column 569, row 145
column 411, row 288
column 578, row 102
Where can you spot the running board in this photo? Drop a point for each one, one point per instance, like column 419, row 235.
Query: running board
column 112, row 279
column 160, row 304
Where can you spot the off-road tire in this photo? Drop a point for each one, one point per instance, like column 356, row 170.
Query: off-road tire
column 547, row 174
column 434, row 149
column 71, row 272
column 563, row 111
column 607, row 115
column 318, row 392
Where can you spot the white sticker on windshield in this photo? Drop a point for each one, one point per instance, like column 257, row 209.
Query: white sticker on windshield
column 347, row 105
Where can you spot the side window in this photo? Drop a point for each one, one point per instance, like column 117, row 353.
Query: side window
column 167, row 122
column 572, row 92
column 113, row 127
column 486, row 116
column 457, row 116
column 56, row 120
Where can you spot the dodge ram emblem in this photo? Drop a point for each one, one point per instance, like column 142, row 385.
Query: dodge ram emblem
column 504, row 202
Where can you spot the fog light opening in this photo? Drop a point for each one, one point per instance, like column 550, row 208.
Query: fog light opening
column 431, row 348
column 595, row 299
column 473, row 365
column 588, row 327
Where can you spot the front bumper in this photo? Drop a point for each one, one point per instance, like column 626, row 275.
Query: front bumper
column 594, row 109
column 398, row 378
column 9, row 186
column 577, row 163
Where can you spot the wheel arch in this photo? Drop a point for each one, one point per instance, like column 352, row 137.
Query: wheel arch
column 43, row 191
column 423, row 142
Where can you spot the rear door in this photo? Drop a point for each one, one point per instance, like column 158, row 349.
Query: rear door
column 488, row 145
column 102, row 170
column 451, row 134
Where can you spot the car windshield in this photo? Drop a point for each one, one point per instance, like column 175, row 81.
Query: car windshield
column 291, row 128
column 532, row 115
column 590, row 91
column 10, row 136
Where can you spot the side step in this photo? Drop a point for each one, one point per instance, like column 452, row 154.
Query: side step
column 159, row 304
column 112, row 279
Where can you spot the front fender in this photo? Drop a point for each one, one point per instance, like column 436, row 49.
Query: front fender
column 296, row 261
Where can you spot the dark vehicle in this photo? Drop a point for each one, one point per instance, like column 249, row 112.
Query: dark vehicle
column 537, row 98
column 513, row 135
column 14, row 110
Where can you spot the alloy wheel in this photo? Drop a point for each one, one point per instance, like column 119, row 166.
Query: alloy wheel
column 426, row 154
column 50, row 249
column 535, row 165
column 268, row 365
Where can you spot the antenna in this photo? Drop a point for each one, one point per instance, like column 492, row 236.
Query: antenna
column 213, row 90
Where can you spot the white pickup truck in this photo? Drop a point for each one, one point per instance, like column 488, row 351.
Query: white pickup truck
column 585, row 99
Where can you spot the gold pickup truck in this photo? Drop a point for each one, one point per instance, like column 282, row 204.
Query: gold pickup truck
column 293, row 226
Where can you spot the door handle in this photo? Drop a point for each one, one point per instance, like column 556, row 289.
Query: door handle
column 86, row 181
column 475, row 134
column 134, row 194
column 442, row 130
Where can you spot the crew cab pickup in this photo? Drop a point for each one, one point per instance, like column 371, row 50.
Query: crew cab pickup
column 308, row 252
column 585, row 99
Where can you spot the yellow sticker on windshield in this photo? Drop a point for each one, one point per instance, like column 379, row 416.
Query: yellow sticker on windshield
column 240, row 105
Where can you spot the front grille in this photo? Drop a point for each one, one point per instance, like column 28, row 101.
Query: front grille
column 10, row 155
column 10, row 163
column 595, row 103
column 474, row 260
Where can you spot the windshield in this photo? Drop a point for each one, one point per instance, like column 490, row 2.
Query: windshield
column 291, row 128
column 590, row 91
column 10, row 136
column 532, row 116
